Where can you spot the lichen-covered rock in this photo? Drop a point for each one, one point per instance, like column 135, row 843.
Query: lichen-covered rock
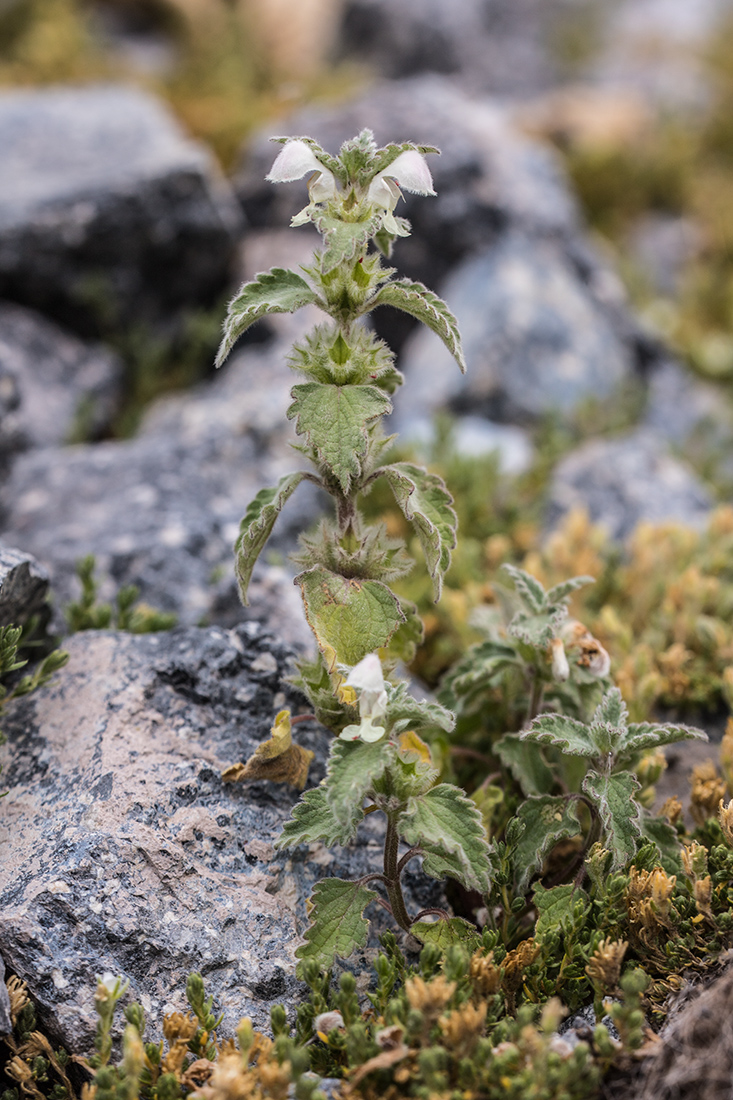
column 621, row 482
column 23, row 588
column 108, row 214
column 535, row 337
column 61, row 386
column 6, row 1023
column 123, row 850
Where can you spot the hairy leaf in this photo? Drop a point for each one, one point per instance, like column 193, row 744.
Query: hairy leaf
column 528, row 588
column 276, row 291
column 419, row 302
column 277, row 759
column 342, row 241
column 256, row 527
column 567, row 734
column 334, row 420
column 619, row 812
column 526, row 763
column 349, row 618
column 642, row 736
column 561, row 591
column 408, row 635
column 312, row 820
column 404, row 712
column 425, row 502
column 447, row 932
column 337, row 924
column 353, row 767
column 547, row 820
column 480, row 668
column 537, row 631
column 664, row 835
column 558, row 907
column 447, row 827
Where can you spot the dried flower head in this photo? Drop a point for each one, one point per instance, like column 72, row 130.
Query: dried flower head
column 672, row 810
column 604, row 965
column 429, row 997
column 649, row 897
column 725, row 817
column 485, row 974
column 707, row 790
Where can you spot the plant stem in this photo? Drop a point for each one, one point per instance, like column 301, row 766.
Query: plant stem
column 535, row 699
column 392, row 876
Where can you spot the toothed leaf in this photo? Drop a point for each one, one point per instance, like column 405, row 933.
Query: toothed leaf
column 641, row 736
column 256, row 527
column 558, row 908
column 404, row 712
column 426, row 503
column 313, row 820
column 276, row 291
column 619, row 812
column 561, row 591
column 349, row 618
column 334, row 420
column 547, row 820
column 353, row 768
column 447, row 827
column 567, row 734
column 528, row 588
column 342, row 241
column 526, row 763
column 448, row 932
column 337, row 925
column 419, row 302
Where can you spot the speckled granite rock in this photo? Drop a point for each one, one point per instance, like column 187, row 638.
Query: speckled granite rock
column 123, row 851
column 107, row 212
column 61, row 385
column 23, row 588
column 621, row 482
column 6, row 1024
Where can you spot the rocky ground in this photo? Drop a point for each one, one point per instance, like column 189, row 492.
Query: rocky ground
column 123, row 849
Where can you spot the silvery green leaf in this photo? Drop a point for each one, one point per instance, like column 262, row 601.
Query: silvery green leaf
column 343, row 241
column 404, row 712
column 620, row 814
column 526, row 763
column 353, row 767
column 560, row 591
column 312, row 820
column 567, row 734
column 337, row 924
column 256, row 527
column 276, row 291
column 447, row 932
column 419, row 302
column 529, row 589
column 426, row 503
column 447, row 827
column 547, row 820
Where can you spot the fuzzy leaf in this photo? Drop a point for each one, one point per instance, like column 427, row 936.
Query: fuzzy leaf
column 537, row 631
column 449, row 932
column 408, row 635
column 547, row 820
column 642, row 736
column 526, row 763
column 556, row 907
column 349, row 618
column 447, row 827
column 567, row 734
column 419, row 302
column 277, row 759
column 256, row 527
column 404, row 712
column 312, row 820
column 661, row 833
column 620, row 814
column 342, row 241
column 426, row 503
column 528, row 588
column 337, row 924
column 353, row 767
column 276, row 291
column 480, row 667
column 334, row 420
column 561, row 591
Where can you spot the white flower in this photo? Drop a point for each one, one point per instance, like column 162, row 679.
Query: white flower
column 296, row 160
column 409, row 171
column 368, row 679
column 560, row 666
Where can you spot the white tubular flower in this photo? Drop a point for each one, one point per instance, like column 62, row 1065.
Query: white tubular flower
column 296, row 160
column 560, row 666
column 368, row 679
column 408, row 170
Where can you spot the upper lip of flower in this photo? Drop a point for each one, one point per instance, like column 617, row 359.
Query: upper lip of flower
column 368, row 679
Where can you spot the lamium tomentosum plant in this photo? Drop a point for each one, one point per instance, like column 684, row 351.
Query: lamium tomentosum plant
column 361, row 627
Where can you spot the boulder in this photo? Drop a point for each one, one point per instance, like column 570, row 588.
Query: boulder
column 6, row 1023
column 536, row 340
column 124, row 851
column 109, row 216
column 23, row 588
column 622, row 482
column 61, row 387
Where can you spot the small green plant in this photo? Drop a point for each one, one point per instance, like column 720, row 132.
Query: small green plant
column 87, row 613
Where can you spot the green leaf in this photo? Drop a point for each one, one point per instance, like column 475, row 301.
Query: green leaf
column 526, row 763
column 561, row 591
column 404, row 712
column 479, row 668
column 547, row 820
column 537, row 631
column 447, row 827
column 408, row 635
column 619, row 812
column 353, row 768
column 448, row 932
column 343, row 241
column 641, row 736
column 256, row 527
column 528, row 588
column 664, row 835
column 419, row 302
column 334, row 420
column 337, row 924
column 276, row 291
column 349, row 617
column 312, row 820
column 389, row 153
column 558, row 908
column 426, row 503
column 567, row 734
column 612, row 711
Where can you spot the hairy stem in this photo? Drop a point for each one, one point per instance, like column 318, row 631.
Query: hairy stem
column 535, row 699
column 392, row 876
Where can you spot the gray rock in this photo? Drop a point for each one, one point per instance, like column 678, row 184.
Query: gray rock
column 663, row 247
column 23, row 588
column 679, row 404
column 473, row 437
column 108, row 214
column 621, row 482
column 60, row 385
column 124, row 852
column 6, row 1023
column 535, row 340
column 487, row 177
